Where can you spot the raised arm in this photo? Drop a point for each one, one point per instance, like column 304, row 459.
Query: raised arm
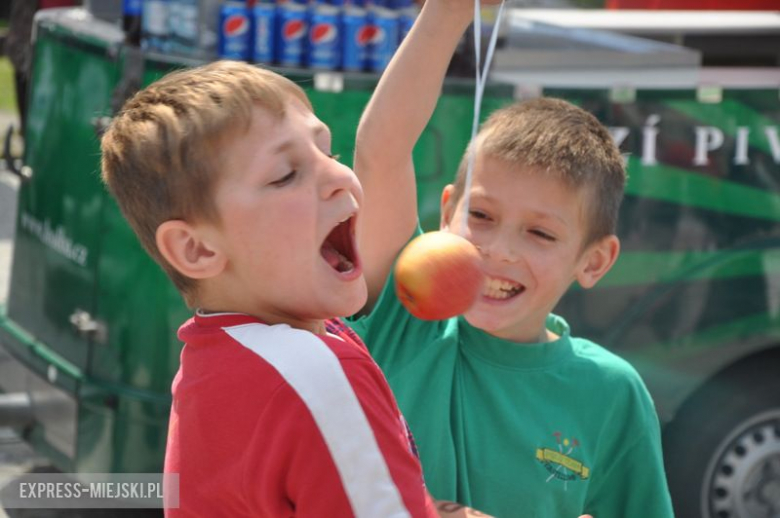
column 395, row 117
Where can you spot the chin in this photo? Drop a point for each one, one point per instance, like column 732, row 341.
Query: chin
column 486, row 321
column 480, row 320
column 351, row 300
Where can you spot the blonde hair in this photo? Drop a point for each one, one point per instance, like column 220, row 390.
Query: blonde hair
column 161, row 153
column 555, row 138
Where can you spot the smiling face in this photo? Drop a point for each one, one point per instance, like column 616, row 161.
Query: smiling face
column 529, row 229
column 287, row 213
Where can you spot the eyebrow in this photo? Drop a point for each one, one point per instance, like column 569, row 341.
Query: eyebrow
column 539, row 214
column 546, row 216
column 316, row 130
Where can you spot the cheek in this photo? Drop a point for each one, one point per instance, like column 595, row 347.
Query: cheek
column 477, row 237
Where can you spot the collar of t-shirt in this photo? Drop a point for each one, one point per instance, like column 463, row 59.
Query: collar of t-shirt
column 508, row 354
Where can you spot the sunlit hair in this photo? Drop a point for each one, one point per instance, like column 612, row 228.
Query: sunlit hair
column 162, row 152
column 554, row 138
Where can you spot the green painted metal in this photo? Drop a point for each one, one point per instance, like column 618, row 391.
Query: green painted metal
column 665, row 267
column 693, row 189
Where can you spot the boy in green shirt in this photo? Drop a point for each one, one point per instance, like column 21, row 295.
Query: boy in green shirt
column 511, row 413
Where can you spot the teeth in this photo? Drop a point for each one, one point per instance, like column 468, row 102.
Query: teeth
column 345, row 219
column 500, row 289
column 498, row 284
column 345, row 265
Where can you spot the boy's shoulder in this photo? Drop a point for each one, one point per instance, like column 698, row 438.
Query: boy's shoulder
column 591, row 358
column 241, row 349
column 232, row 353
column 605, row 365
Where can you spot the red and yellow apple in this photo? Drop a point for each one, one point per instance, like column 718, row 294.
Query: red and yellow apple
column 438, row 276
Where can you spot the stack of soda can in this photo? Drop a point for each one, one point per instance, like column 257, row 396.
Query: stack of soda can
column 350, row 35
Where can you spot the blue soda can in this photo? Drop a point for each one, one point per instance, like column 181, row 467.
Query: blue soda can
column 383, row 41
column 292, row 28
column 263, row 32
column 356, row 34
column 324, row 47
column 234, row 31
column 407, row 14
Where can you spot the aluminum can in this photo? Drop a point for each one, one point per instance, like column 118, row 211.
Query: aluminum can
column 324, row 45
column 292, row 29
column 356, row 34
column 383, row 40
column 234, row 31
column 407, row 14
column 263, row 32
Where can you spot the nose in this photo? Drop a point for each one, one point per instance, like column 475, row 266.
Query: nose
column 336, row 178
column 499, row 248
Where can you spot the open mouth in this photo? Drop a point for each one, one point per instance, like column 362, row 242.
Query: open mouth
column 501, row 289
column 338, row 250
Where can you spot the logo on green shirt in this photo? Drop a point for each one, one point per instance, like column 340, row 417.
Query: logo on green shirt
column 558, row 462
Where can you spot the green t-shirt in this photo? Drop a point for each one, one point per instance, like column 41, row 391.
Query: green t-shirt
column 521, row 430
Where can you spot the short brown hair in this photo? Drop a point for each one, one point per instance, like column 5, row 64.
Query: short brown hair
column 161, row 153
column 553, row 137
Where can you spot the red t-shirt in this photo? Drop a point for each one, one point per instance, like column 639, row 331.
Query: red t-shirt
column 275, row 421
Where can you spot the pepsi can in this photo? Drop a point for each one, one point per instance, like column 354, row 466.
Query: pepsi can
column 234, row 31
column 263, row 32
column 356, row 34
column 407, row 14
column 383, row 38
column 324, row 51
column 292, row 28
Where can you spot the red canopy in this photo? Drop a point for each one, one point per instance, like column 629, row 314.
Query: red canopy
column 45, row 4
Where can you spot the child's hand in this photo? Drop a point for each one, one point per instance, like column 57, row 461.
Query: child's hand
column 454, row 510
column 460, row 7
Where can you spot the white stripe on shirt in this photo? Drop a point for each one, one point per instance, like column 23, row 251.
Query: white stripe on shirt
column 316, row 375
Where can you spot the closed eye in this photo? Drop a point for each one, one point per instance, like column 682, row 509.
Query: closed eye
column 543, row 235
column 286, row 179
column 477, row 214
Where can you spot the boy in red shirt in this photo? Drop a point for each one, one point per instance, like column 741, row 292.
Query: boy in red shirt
column 226, row 176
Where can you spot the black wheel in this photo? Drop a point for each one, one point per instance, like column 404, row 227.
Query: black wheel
column 723, row 448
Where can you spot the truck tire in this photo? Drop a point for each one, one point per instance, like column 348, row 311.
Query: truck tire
column 722, row 450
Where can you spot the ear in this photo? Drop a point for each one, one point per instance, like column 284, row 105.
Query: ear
column 188, row 250
column 447, row 208
column 596, row 261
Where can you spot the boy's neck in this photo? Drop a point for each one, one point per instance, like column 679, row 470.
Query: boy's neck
column 543, row 336
column 219, row 296
column 314, row 326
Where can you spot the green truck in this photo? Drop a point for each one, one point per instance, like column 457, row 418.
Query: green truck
column 88, row 343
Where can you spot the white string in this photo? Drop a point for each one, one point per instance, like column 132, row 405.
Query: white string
column 481, row 80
